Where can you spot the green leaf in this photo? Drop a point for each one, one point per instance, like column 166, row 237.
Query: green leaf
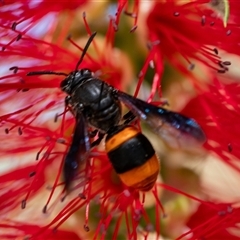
column 226, row 12
column 223, row 8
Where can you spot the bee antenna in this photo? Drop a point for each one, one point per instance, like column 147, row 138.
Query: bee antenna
column 46, row 73
column 85, row 49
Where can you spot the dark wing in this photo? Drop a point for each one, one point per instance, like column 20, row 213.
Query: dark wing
column 177, row 130
column 78, row 151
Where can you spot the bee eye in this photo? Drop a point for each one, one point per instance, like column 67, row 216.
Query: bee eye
column 64, row 83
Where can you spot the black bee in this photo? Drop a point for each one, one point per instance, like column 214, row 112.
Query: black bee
column 97, row 104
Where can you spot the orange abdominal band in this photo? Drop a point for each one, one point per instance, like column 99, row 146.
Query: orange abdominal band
column 121, row 137
column 133, row 158
column 143, row 177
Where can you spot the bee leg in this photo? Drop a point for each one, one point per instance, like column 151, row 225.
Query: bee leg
column 68, row 100
column 98, row 140
column 68, row 104
column 129, row 117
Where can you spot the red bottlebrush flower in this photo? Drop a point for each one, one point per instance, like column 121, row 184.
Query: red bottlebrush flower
column 19, row 11
column 16, row 230
column 16, row 192
column 36, row 126
column 216, row 110
column 214, row 221
column 115, row 207
column 187, row 29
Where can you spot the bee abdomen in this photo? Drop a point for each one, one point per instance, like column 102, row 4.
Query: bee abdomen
column 133, row 158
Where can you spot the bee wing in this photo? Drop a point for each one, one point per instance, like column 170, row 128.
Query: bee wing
column 174, row 128
column 78, row 151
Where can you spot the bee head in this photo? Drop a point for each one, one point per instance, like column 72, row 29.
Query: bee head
column 75, row 79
